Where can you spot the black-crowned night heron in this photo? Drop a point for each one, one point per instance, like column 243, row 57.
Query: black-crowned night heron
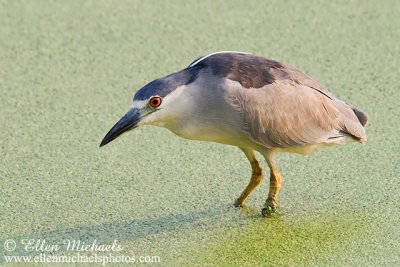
column 251, row 102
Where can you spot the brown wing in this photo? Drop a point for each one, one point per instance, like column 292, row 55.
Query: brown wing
column 295, row 110
column 283, row 107
column 286, row 114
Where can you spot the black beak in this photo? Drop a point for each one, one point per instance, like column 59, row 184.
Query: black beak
column 127, row 122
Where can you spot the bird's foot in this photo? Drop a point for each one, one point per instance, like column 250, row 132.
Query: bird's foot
column 269, row 208
column 238, row 203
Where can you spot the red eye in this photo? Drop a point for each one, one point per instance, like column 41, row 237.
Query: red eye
column 155, row 102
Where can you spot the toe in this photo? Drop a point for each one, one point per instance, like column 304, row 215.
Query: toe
column 267, row 211
column 269, row 208
column 238, row 203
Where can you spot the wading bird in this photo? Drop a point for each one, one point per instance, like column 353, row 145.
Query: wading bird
column 254, row 103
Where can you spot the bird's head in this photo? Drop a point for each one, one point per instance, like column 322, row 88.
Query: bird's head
column 156, row 103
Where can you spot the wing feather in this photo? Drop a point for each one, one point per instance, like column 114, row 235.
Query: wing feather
column 281, row 106
column 288, row 114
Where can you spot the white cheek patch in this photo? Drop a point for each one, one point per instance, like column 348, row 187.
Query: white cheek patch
column 173, row 96
column 171, row 106
column 139, row 104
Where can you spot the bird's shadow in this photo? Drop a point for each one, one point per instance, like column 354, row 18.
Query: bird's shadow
column 123, row 231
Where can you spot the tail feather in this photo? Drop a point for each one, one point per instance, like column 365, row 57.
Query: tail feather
column 361, row 116
column 353, row 121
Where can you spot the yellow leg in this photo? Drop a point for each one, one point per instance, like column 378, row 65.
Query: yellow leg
column 256, row 176
column 275, row 182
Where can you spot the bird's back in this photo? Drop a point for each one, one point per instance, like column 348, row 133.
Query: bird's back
column 281, row 106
